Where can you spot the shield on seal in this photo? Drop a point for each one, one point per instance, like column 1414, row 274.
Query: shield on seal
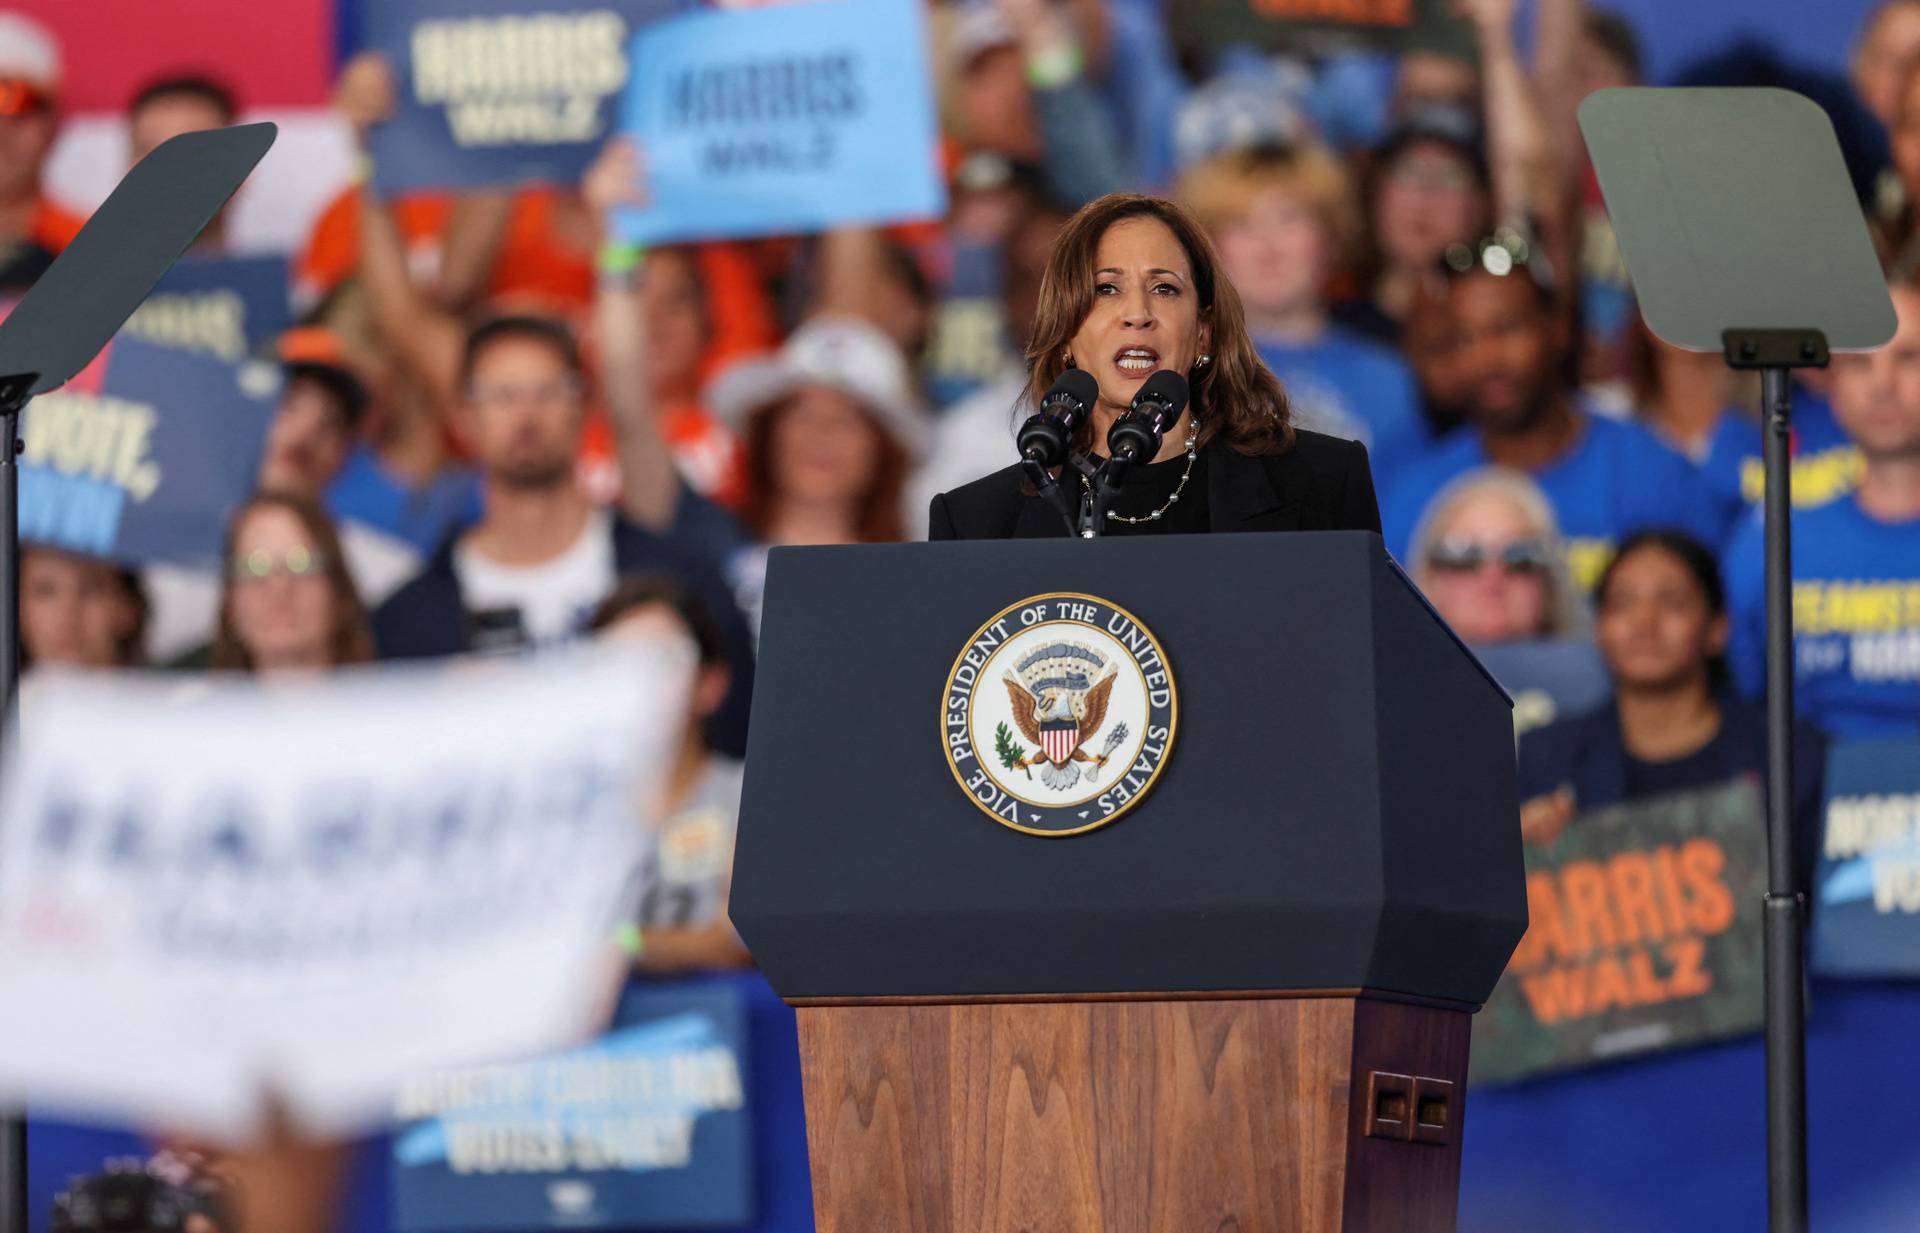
column 1058, row 739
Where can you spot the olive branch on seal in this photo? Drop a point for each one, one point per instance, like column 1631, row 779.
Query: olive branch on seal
column 1012, row 756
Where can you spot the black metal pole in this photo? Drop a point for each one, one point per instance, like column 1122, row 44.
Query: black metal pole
column 13, row 1124
column 1785, row 984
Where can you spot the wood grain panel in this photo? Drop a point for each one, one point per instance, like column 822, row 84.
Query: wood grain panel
column 1215, row 1116
column 1395, row 1187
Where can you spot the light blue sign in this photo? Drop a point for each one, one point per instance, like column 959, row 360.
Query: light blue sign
column 1866, row 913
column 784, row 120
column 645, row 1128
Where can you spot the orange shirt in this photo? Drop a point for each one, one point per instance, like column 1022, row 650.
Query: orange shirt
column 530, row 261
column 53, row 227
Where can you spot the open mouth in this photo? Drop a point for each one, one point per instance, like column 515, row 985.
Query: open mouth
column 1136, row 361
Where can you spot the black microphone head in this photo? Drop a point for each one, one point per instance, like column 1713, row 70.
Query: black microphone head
column 1047, row 435
column 1077, row 384
column 1166, row 388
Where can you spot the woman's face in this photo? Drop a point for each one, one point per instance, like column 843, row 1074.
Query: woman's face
column 1277, row 253
column 280, row 601
column 1427, row 199
column 1483, row 573
column 825, row 448
column 1145, row 314
column 73, row 610
column 1653, row 624
column 676, row 326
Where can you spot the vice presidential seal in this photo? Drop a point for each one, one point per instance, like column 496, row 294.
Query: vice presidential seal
column 1059, row 714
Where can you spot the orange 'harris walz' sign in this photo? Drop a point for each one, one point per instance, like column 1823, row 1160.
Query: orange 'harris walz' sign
column 1643, row 934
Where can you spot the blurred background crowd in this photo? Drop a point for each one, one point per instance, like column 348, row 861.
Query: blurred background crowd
column 498, row 430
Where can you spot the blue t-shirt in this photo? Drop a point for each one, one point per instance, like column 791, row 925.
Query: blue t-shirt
column 366, row 491
column 1856, row 618
column 1349, row 386
column 1618, row 478
column 1826, row 465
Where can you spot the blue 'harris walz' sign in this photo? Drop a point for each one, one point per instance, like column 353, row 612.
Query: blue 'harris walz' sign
column 494, row 93
column 788, row 118
column 143, row 456
column 226, row 307
column 644, row 1128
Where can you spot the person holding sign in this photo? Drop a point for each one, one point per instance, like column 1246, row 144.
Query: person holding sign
column 682, row 923
column 1133, row 287
column 543, row 554
column 1672, row 724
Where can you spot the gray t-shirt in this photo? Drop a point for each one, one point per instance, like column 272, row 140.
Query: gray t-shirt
column 689, row 859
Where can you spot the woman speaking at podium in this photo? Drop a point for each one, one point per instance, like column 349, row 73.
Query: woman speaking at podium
column 1133, row 288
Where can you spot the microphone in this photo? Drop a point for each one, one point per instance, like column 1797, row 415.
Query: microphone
column 1047, row 435
column 1135, row 437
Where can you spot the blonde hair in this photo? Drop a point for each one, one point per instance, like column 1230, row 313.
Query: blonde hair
column 1222, row 189
column 1566, row 612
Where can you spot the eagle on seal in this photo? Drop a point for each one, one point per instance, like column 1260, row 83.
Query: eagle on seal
column 1059, row 700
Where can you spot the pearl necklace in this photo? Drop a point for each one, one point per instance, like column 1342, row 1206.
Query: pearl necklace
column 1193, row 437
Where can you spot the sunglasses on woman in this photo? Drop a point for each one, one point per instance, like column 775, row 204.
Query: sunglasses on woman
column 1526, row 556
column 260, row 565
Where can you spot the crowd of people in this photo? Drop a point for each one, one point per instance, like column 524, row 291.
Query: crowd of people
column 501, row 427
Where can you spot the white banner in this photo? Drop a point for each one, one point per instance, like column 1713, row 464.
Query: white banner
column 216, row 893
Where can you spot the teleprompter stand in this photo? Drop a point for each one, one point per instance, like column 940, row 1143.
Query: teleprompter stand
column 89, row 291
column 1742, row 235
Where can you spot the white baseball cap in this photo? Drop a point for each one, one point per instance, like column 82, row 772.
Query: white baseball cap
column 840, row 353
column 29, row 52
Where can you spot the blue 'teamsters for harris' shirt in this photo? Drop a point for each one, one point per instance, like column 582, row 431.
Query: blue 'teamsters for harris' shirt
column 1826, row 464
column 1856, row 618
column 1618, row 478
column 1349, row 386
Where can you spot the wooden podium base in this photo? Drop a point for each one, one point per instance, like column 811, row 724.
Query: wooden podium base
column 1329, row 1111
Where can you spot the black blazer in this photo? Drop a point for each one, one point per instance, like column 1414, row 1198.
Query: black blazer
column 1321, row 484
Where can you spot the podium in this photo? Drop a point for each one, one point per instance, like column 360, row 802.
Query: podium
column 1225, row 985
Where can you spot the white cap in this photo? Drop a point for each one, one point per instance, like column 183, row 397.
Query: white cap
column 28, row 52
column 980, row 29
column 840, row 353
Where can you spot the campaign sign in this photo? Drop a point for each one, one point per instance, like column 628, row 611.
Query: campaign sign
column 792, row 118
column 1208, row 27
column 226, row 307
column 1549, row 680
column 1643, row 934
column 495, row 93
column 223, row 895
column 143, row 456
column 646, row 1127
column 1866, row 914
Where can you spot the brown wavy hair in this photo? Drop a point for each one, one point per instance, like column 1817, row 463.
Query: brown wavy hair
column 879, row 519
column 352, row 638
column 1234, row 398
